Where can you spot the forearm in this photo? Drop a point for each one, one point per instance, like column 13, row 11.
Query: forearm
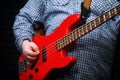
column 22, row 30
column 23, row 25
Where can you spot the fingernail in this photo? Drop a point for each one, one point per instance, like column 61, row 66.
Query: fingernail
column 38, row 52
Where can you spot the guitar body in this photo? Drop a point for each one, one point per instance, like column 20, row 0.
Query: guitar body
column 50, row 57
column 54, row 47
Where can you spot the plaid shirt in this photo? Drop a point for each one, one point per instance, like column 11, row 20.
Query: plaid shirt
column 94, row 51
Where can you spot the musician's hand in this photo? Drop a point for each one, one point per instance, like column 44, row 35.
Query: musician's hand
column 30, row 51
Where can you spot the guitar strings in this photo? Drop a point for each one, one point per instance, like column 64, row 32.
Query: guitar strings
column 51, row 48
column 118, row 9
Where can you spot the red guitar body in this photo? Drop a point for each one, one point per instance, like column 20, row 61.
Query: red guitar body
column 50, row 58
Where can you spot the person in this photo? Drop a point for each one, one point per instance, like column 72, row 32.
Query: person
column 94, row 51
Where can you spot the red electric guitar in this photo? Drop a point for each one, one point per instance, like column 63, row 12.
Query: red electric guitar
column 54, row 47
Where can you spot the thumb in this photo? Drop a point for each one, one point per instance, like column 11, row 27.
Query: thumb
column 35, row 48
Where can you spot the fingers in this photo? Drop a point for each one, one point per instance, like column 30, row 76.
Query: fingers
column 30, row 51
column 34, row 49
column 30, row 60
column 31, row 57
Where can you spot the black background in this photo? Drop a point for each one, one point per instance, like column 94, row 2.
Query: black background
column 8, row 52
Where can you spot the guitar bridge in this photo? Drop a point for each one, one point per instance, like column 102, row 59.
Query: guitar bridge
column 22, row 66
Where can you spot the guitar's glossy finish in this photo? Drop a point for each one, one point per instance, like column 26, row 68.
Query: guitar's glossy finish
column 50, row 57
column 54, row 47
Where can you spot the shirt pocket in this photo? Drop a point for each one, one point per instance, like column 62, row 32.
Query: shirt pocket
column 59, row 2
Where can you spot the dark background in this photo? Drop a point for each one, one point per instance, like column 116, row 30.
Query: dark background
column 8, row 52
